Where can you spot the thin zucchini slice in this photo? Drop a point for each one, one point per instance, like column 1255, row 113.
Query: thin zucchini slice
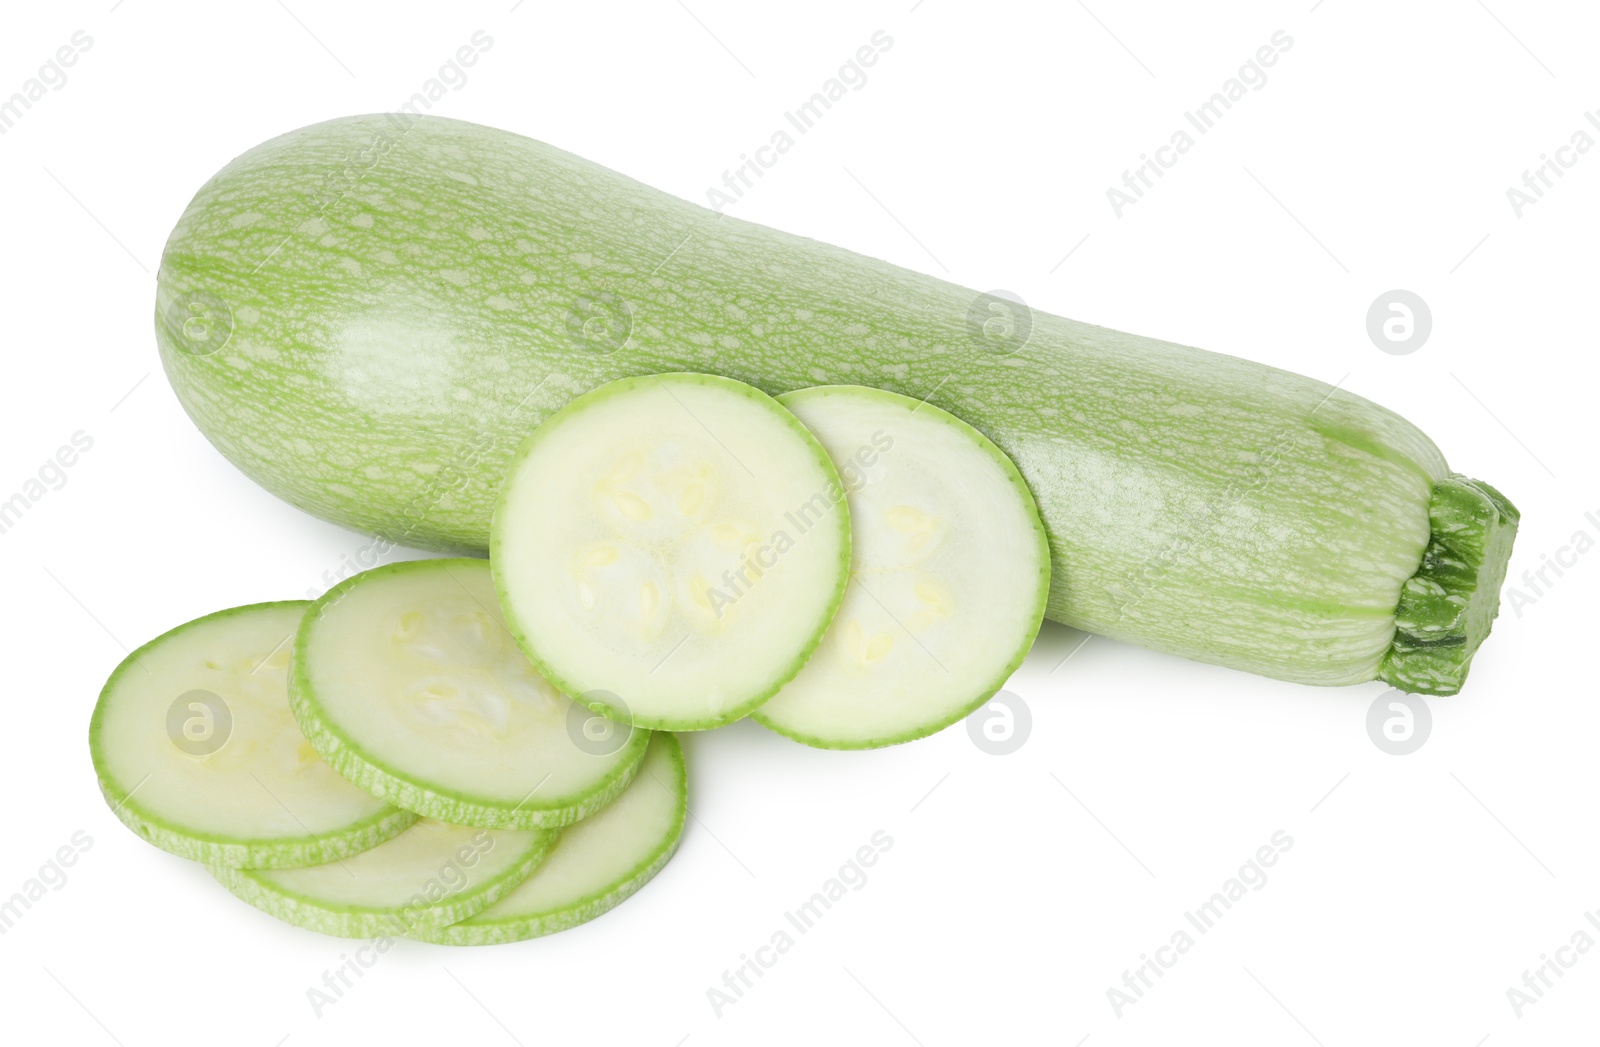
column 670, row 548
column 596, row 864
column 950, row 577
column 196, row 750
column 432, row 875
column 407, row 682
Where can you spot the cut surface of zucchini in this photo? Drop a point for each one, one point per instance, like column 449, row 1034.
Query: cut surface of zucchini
column 950, row 576
column 432, row 875
column 407, row 682
column 670, row 548
column 596, row 864
column 197, row 751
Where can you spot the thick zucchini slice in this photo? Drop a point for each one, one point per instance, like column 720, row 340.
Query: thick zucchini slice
column 406, row 681
column 670, row 548
column 950, row 576
column 197, row 751
column 432, row 875
column 596, row 864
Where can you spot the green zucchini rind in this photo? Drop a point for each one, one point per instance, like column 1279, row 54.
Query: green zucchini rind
column 430, row 876
column 950, row 575
column 382, row 652
column 596, row 865
column 248, row 791
column 670, row 549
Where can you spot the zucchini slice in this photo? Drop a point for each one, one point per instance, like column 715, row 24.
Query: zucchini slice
column 407, row 682
column 949, row 582
column 670, row 548
column 596, row 864
column 432, row 875
column 196, row 750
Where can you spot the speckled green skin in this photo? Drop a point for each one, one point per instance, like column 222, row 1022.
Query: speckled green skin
column 368, row 315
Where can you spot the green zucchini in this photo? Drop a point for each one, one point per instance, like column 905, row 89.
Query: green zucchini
column 197, row 751
column 368, row 315
column 428, row 877
column 406, row 680
column 668, row 551
column 948, row 578
column 595, row 865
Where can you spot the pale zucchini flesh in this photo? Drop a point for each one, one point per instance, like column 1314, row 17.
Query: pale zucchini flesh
column 669, row 549
column 949, row 576
column 432, row 875
column 197, row 751
column 408, row 682
column 596, row 864
column 377, row 358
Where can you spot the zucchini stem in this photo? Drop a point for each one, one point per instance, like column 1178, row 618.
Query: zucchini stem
column 1448, row 606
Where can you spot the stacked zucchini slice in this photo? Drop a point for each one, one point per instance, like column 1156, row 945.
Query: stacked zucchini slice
column 473, row 752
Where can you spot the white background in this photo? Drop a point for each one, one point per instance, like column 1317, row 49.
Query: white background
column 1418, row 888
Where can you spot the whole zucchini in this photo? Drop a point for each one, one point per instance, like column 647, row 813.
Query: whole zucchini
column 368, row 315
